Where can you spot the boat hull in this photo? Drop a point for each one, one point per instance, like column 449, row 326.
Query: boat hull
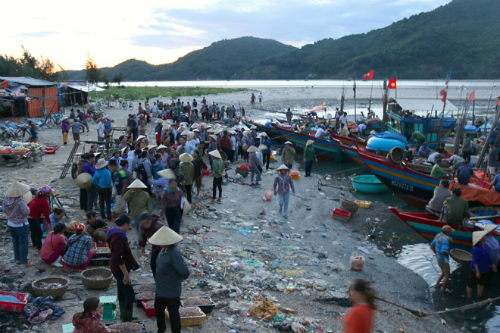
column 428, row 227
column 269, row 130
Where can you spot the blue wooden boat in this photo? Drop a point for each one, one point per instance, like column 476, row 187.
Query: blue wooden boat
column 368, row 184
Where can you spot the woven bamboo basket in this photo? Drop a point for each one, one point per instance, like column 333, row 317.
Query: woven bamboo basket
column 54, row 292
column 350, row 206
column 461, row 256
column 97, row 278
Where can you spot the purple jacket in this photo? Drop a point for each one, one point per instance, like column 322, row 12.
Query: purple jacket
column 16, row 210
column 89, row 168
column 65, row 126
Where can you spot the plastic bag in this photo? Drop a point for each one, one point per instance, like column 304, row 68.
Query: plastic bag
column 263, row 310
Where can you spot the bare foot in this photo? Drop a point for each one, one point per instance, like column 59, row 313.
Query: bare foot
column 29, row 264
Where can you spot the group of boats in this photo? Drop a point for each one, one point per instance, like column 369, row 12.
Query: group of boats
column 410, row 182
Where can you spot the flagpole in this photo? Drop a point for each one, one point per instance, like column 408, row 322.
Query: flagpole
column 354, row 88
column 445, row 98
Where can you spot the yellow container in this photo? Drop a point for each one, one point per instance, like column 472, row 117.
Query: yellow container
column 272, row 159
column 364, row 203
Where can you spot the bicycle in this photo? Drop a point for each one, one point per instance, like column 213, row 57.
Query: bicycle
column 9, row 133
column 22, row 132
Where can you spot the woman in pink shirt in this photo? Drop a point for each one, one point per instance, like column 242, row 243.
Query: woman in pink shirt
column 53, row 246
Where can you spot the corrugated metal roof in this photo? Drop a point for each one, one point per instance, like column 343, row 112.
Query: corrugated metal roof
column 28, row 81
column 85, row 88
column 425, row 105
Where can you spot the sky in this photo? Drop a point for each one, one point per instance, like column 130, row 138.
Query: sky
column 161, row 31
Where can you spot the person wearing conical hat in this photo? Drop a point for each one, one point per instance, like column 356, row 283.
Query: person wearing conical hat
column 187, row 169
column 212, row 146
column 139, row 201
column 65, row 129
column 17, row 212
column 441, row 248
column 173, row 270
column 218, row 171
column 481, row 265
column 253, row 164
column 288, row 155
column 172, row 203
column 104, row 185
column 309, row 157
column 282, row 185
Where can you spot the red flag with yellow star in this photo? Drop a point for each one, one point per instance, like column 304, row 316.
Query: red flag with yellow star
column 369, row 75
column 392, row 84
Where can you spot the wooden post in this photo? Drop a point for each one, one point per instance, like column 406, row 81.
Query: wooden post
column 342, row 100
column 354, row 101
column 473, row 111
column 488, row 138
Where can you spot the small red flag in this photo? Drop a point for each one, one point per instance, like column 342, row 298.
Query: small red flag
column 369, row 75
column 444, row 94
column 392, row 84
column 472, row 96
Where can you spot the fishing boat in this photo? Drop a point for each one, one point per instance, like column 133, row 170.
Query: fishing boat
column 324, row 148
column 368, row 184
column 402, row 118
column 270, row 130
column 427, row 226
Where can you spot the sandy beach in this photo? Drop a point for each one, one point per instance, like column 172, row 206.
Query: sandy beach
column 310, row 251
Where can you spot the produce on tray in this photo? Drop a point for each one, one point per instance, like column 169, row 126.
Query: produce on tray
column 145, row 296
column 192, row 301
column 145, row 287
column 189, row 312
column 127, row 327
column 150, row 304
column 52, row 285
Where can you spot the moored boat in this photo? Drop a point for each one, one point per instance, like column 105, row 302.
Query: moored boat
column 270, row 130
column 427, row 226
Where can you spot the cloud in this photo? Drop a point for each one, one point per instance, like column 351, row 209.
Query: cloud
column 160, row 31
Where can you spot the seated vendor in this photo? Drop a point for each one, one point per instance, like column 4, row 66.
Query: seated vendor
column 465, row 173
column 424, row 151
column 455, row 209
column 438, row 172
column 96, row 228
column 441, row 193
column 496, row 183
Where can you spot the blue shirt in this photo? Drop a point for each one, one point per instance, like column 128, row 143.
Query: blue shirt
column 464, row 173
column 158, row 166
column 424, row 151
column 107, row 126
column 267, row 143
column 481, row 258
column 442, row 244
column 102, row 178
column 89, row 168
column 54, row 220
column 496, row 182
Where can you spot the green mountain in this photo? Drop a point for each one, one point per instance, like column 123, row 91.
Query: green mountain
column 461, row 36
column 220, row 61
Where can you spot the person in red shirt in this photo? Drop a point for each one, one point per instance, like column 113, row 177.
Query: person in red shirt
column 53, row 246
column 39, row 206
column 360, row 317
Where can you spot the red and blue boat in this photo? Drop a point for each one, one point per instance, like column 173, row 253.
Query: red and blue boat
column 427, row 226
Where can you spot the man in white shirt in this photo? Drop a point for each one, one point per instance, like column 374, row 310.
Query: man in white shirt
column 361, row 129
column 100, row 130
column 320, row 133
column 343, row 119
column 433, row 157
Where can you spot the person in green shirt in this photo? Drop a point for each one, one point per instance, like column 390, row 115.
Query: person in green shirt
column 287, row 156
column 455, row 209
column 467, row 147
column 217, row 172
column 437, row 171
column 187, row 169
column 419, row 136
column 309, row 157
column 138, row 202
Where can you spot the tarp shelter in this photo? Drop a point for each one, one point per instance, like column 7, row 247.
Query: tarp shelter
column 422, row 106
column 40, row 95
column 76, row 93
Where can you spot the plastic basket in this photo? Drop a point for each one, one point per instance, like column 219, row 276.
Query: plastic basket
column 99, row 262
column 14, row 306
column 207, row 308
column 364, row 203
column 341, row 215
column 150, row 310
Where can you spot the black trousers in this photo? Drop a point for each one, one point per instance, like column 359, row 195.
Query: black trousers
column 83, row 199
column 217, row 183
column 154, row 256
column 105, row 198
column 174, row 218
column 125, row 292
column 309, row 165
column 90, row 197
column 189, row 191
column 36, row 232
column 266, row 159
column 172, row 305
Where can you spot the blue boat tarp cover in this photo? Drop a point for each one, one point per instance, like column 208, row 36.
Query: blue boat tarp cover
column 268, row 124
column 394, row 136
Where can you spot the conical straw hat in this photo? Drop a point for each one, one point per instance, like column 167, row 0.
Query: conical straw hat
column 282, row 167
column 252, row 149
column 137, row 184
column 215, row 153
column 167, row 173
column 84, row 181
column 27, row 197
column 187, row 208
column 478, row 235
column 186, row 158
column 17, row 189
column 165, row 236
